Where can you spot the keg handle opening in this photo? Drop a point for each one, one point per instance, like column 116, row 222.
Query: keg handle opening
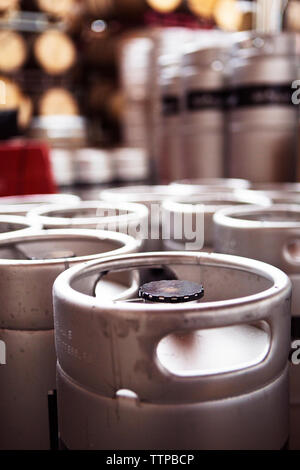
column 291, row 252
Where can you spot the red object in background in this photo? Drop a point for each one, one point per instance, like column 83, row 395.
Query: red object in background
column 25, row 168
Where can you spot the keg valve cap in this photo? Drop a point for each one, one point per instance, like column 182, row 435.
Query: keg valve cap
column 172, row 291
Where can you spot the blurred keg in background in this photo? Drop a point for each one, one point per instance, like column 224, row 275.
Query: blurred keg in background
column 183, row 212
column 164, row 87
column 271, row 235
column 21, row 205
column 93, row 168
column 196, row 375
column 29, row 265
column 62, row 162
column 262, row 121
column 203, row 130
column 130, row 164
column 134, row 64
column 60, row 130
column 170, row 162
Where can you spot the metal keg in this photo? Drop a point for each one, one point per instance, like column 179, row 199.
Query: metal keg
column 29, row 265
column 152, row 197
column 21, row 205
column 279, row 193
column 271, row 235
column 11, row 225
column 203, row 81
column 199, row 185
column 262, row 120
column 176, row 372
column 170, row 162
column 128, row 218
column 62, row 163
column 130, row 164
column 190, row 219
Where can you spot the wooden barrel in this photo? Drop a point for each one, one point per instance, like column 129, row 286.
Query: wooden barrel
column 55, row 52
column 57, row 101
column 164, row 6
column 15, row 99
column 13, row 51
column 203, row 8
column 8, row 5
column 101, row 8
column 58, row 8
column 229, row 15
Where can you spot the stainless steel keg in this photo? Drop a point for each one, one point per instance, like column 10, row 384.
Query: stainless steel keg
column 165, row 371
column 11, row 225
column 203, row 81
column 184, row 217
column 20, row 205
column 120, row 217
column 171, row 163
column 199, row 185
column 130, row 164
column 270, row 235
column 262, row 120
column 279, row 193
column 29, row 265
column 150, row 196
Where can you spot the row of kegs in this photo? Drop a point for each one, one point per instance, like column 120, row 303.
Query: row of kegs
column 227, row 96
column 151, row 345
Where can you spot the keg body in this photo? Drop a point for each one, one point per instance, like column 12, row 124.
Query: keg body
column 21, row 205
column 179, row 406
column 171, row 165
column 262, row 120
column 276, row 234
column 187, row 210
column 203, row 115
column 28, row 267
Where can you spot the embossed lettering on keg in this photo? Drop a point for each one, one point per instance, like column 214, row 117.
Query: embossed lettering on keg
column 29, row 265
column 210, row 374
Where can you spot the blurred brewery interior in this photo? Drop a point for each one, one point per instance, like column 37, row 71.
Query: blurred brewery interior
column 115, row 92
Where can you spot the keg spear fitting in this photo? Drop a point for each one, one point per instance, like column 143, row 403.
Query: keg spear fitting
column 171, row 291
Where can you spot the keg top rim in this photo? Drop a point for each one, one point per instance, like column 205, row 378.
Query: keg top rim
column 231, row 183
column 128, row 245
column 139, row 193
column 233, row 217
column 22, row 204
column 214, row 201
column 238, row 306
column 43, row 213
